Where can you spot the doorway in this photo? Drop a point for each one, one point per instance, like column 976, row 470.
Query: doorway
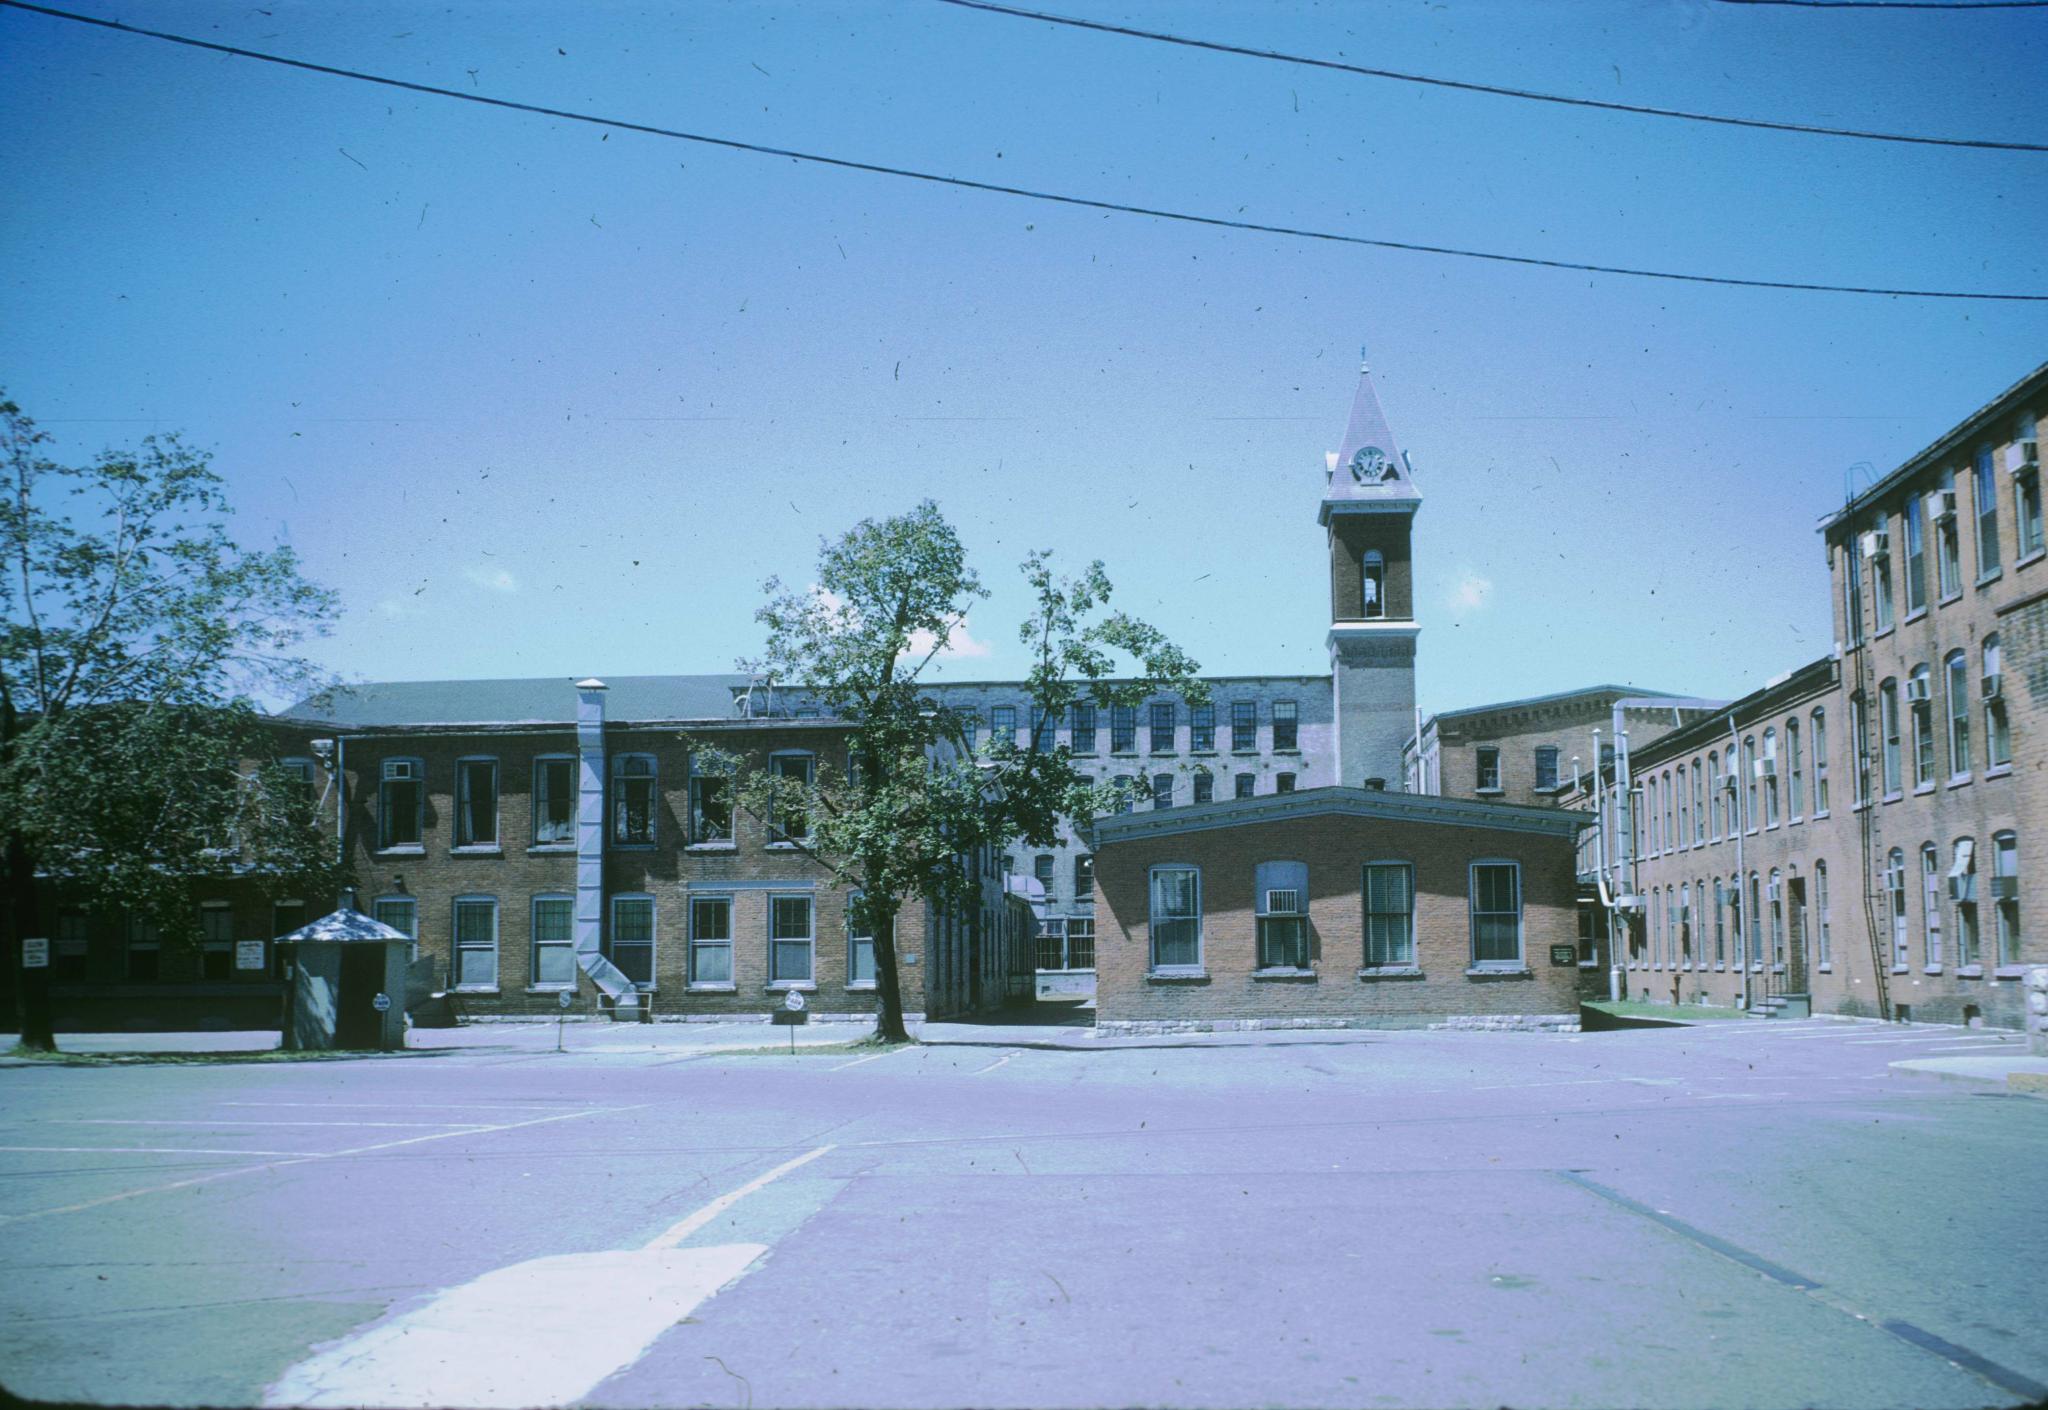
column 357, row 1024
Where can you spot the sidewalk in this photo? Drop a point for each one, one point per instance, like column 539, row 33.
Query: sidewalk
column 2018, row 1073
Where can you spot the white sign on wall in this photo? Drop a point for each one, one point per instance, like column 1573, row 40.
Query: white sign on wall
column 35, row 953
column 248, row 954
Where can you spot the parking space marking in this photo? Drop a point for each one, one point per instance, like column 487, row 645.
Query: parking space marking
column 992, row 1066
column 243, row 1121
column 675, row 1233
column 303, row 1159
column 872, row 1057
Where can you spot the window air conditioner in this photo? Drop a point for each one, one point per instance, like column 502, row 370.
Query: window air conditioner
column 1283, row 903
column 1992, row 685
column 1767, row 767
column 2005, row 888
column 399, row 770
column 1942, row 503
column 1918, row 690
column 2023, row 457
column 1963, row 888
column 1876, row 543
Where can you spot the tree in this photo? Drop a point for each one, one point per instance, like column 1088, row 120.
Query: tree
column 135, row 633
column 915, row 804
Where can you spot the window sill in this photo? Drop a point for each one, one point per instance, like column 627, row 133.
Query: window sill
column 404, row 849
column 1902, row 969
column 551, row 848
column 1989, row 578
column 1958, row 781
column 858, row 986
column 1891, row 797
column 711, row 989
column 1501, row 971
column 488, row 990
column 2030, row 559
column 1821, row 816
column 1969, row 971
column 1490, row 792
column 1720, row 966
column 1954, row 597
column 1931, row 969
column 478, row 851
column 1161, row 753
column 779, row 986
column 727, row 846
column 2010, row 971
column 782, row 846
column 1998, row 771
column 1913, row 616
column 1298, row 976
column 1824, row 968
column 1880, row 634
column 633, row 847
column 551, row 988
column 1390, row 971
column 1177, row 976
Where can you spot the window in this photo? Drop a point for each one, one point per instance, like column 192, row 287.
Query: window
column 633, row 938
column 1496, row 913
column 1962, row 890
column 401, row 803
column 401, row 913
column 1285, row 719
column 969, row 720
column 1175, row 919
column 145, row 949
column 1895, row 904
column 1685, row 924
column 1749, row 780
column 1736, row 937
column 2005, row 895
column 1756, row 911
column 790, row 940
column 1997, row 733
column 476, row 803
column 1825, row 947
column 1957, row 671
column 710, row 807
column 1714, row 794
column 1670, row 832
column 554, row 801
column 1984, row 492
column 1916, row 555
column 1082, row 725
column 1930, row 903
column 1205, row 786
column 633, row 799
column 1162, row 791
column 1080, row 942
column 1084, row 877
column 1202, row 728
column 1002, row 724
column 1888, row 727
column 1881, row 582
column 1280, row 896
column 476, row 942
column 301, row 773
column 1159, row 727
column 1948, row 570
column 1852, row 588
column 1699, row 812
column 1859, row 745
column 1487, row 759
column 554, row 941
column 1244, row 726
column 1283, row 783
column 2026, row 486
column 1123, row 729
column 1820, row 763
column 1795, row 772
column 1684, row 833
column 1044, row 730
column 1920, row 711
column 1389, row 914
column 1372, row 582
column 711, row 940
column 1243, row 784
column 860, row 936
column 790, row 820
column 1720, row 923
column 1126, row 791
column 216, row 941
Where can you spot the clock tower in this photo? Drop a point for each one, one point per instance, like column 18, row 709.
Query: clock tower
column 1368, row 510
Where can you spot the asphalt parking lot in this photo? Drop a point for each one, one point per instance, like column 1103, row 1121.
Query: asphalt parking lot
column 1737, row 1213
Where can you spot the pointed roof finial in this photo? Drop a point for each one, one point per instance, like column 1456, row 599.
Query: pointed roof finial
column 1363, row 364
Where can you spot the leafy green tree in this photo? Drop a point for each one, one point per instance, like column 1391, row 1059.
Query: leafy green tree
column 135, row 634
column 915, row 805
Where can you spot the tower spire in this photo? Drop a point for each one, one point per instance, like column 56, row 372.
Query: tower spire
column 1369, row 466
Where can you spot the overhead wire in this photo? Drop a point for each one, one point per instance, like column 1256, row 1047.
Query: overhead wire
column 1021, row 192
column 1496, row 90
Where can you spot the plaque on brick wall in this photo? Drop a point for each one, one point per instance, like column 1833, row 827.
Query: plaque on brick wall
column 1564, row 955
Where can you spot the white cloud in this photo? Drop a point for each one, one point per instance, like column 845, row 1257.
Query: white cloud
column 397, row 607
column 960, row 644
column 492, row 579
column 1472, row 592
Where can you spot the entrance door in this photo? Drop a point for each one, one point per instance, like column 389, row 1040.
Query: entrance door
column 1795, row 915
column 357, row 1024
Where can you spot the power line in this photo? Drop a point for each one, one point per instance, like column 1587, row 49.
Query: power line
column 965, row 183
column 1901, row 4
column 1214, row 46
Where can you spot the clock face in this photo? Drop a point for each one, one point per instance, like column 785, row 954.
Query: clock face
column 1369, row 466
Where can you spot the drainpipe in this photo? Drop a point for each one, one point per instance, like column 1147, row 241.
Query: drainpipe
column 1607, row 893
column 1741, row 827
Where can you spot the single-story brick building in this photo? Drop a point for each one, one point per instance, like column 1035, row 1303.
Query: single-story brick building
column 1339, row 908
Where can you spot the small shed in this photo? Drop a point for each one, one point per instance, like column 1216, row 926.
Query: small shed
column 345, row 983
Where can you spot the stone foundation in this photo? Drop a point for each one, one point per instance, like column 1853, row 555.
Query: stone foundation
column 2036, row 984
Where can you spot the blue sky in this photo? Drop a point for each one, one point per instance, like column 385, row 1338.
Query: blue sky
column 543, row 401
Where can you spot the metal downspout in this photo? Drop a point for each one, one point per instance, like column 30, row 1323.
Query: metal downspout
column 1741, row 827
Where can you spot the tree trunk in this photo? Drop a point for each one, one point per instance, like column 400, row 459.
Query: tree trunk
column 881, row 920
column 25, row 920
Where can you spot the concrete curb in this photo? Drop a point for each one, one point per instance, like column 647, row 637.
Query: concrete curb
column 2027, row 1075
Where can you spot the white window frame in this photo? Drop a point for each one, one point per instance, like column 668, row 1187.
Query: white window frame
column 699, row 945
column 1262, row 915
column 462, row 804
column 653, row 941
column 419, row 807
column 856, row 939
column 567, row 944
column 1955, row 675
column 776, row 760
column 619, row 780
column 809, row 940
column 457, row 948
column 1405, row 958
column 1520, row 959
column 1153, row 920
column 2006, row 920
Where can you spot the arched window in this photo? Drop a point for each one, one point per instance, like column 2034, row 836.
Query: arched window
column 1670, row 832
column 1749, row 817
column 1777, row 899
column 1895, row 905
column 1930, row 903
column 1684, row 810
column 1684, row 955
column 1962, row 892
column 1920, row 710
column 1770, row 778
column 1699, row 811
column 1372, row 579
column 1824, row 945
column 1714, row 793
column 1997, row 734
column 1756, row 911
column 1720, row 923
column 1795, row 772
column 1859, row 746
column 1888, row 735
column 1819, row 740
column 1956, row 669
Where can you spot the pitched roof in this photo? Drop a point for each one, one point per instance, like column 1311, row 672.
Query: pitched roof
column 1425, row 808
column 1368, row 469
column 528, row 700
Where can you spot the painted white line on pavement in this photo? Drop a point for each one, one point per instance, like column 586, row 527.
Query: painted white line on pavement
column 82, row 1205
column 544, row 1332
column 243, row 1121
column 992, row 1066
column 141, row 1150
column 683, row 1228
column 871, row 1057
column 421, row 1106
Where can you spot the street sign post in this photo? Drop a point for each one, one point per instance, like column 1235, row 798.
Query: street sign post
column 791, row 1016
column 562, row 1002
